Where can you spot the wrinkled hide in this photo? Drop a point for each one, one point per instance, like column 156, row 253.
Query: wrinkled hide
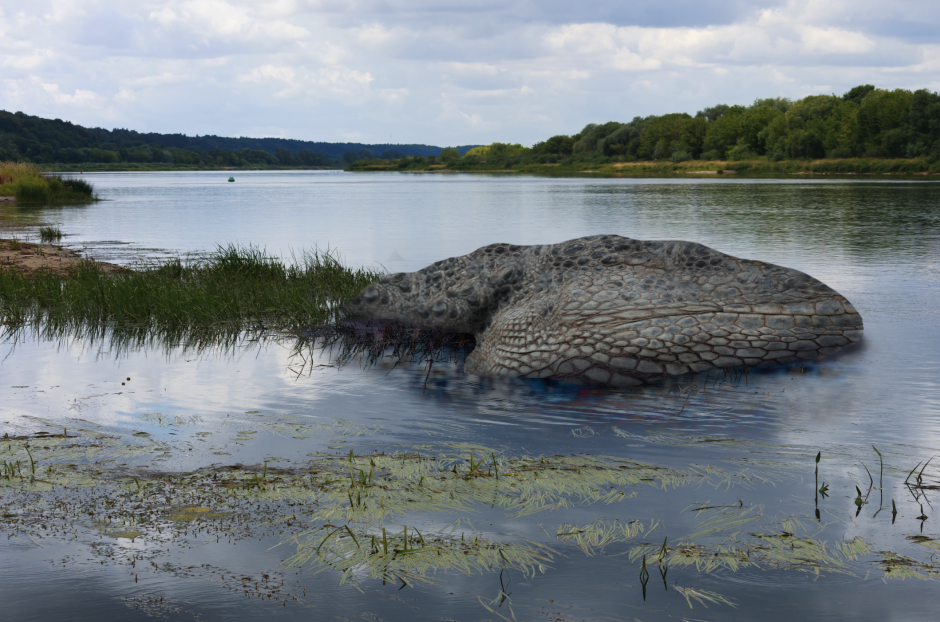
column 614, row 311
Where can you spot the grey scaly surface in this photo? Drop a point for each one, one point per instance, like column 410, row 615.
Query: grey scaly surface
column 608, row 310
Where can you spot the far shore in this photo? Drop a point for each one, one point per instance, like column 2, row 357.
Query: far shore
column 605, row 167
column 760, row 167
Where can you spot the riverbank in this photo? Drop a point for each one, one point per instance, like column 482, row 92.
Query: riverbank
column 613, row 168
column 94, row 167
column 28, row 183
column 30, row 260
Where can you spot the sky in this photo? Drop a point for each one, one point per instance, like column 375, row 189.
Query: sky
column 443, row 72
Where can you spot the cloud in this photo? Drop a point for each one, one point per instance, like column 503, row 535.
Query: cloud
column 80, row 98
column 266, row 72
column 473, row 119
column 26, row 61
column 512, row 70
column 394, row 96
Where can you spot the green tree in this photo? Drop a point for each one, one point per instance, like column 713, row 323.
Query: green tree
column 666, row 135
column 723, row 133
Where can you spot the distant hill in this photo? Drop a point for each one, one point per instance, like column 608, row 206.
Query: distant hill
column 26, row 137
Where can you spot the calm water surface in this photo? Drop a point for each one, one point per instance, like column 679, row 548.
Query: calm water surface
column 876, row 242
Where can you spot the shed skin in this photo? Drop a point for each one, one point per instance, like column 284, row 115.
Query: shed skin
column 614, row 311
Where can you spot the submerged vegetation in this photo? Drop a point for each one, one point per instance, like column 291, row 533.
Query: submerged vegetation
column 234, row 289
column 28, row 184
column 403, row 517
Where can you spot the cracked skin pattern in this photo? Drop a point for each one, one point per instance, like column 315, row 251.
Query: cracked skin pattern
column 614, row 311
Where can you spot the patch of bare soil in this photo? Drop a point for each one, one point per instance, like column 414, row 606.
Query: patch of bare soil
column 31, row 259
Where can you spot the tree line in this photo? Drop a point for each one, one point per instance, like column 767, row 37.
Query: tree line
column 864, row 122
column 44, row 141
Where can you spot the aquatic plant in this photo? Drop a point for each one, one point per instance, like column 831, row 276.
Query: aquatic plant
column 233, row 290
column 397, row 517
column 50, row 234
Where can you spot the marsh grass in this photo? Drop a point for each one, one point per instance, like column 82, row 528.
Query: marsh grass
column 28, row 184
column 50, row 234
column 235, row 289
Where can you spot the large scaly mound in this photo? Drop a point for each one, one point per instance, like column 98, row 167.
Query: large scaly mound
column 615, row 311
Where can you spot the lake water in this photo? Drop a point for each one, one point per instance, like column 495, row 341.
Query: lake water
column 742, row 449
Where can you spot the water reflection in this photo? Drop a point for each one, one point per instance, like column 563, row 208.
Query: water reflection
column 227, row 405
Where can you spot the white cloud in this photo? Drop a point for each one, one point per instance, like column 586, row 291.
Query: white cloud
column 373, row 34
column 309, row 68
column 473, row 119
column 394, row 96
column 26, row 61
column 125, row 96
column 80, row 98
column 465, row 69
column 835, row 40
column 269, row 72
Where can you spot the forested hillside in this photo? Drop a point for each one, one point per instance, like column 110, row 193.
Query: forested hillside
column 864, row 122
column 34, row 139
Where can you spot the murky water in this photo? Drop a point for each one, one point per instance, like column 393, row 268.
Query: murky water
column 742, row 447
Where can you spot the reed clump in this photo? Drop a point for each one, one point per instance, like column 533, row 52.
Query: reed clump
column 50, row 234
column 234, row 289
column 26, row 182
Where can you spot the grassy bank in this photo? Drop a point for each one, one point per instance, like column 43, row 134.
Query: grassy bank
column 235, row 289
column 98, row 167
column 615, row 166
column 28, row 184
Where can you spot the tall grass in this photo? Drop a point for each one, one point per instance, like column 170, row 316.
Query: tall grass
column 50, row 234
column 26, row 182
column 235, row 289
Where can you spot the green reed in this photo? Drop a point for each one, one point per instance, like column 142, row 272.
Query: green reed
column 234, row 289
column 50, row 234
column 27, row 183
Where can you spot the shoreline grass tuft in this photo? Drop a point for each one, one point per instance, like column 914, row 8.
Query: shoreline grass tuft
column 235, row 289
column 28, row 184
column 50, row 234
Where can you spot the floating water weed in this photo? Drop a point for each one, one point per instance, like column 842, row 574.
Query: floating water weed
column 593, row 538
column 782, row 549
column 702, row 596
column 900, row 567
column 363, row 515
column 413, row 557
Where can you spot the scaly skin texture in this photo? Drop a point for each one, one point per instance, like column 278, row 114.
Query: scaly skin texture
column 614, row 311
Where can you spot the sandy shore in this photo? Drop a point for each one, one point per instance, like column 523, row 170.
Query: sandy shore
column 31, row 259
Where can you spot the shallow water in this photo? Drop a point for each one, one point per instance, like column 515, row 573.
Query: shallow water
column 755, row 437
